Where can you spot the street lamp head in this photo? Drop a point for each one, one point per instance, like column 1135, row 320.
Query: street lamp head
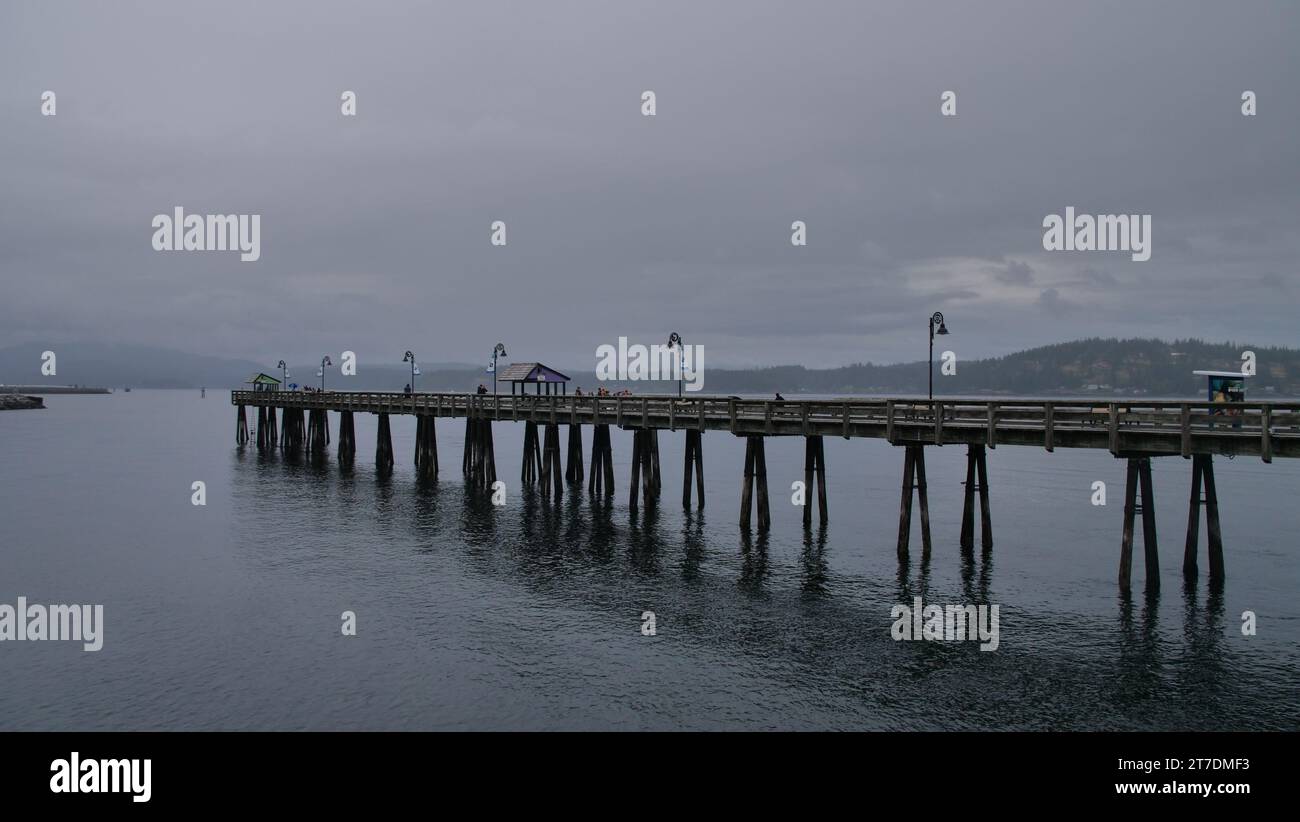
column 280, row 364
column 326, row 362
column 674, row 340
column 409, row 357
column 500, row 350
column 937, row 319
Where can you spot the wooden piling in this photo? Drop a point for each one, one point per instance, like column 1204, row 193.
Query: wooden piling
column 913, row 478
column 532, row 462
column 468, row 456
column 384, row 446
column 976, row 479
column 652, row 435
column 638, row 445
column 573, row 471
column 755, row 472
column 602, row 462
column 241, row 427
column 550, row 472
column 1203, row 473
column 261, row 428
column 1138, row 485
column 426, row 448
column 347, row 449
column 814, row 472
column 694, row 459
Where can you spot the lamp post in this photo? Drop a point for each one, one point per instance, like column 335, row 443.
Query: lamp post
column 499, row 351
column 411, row 359
column 284, row 373
column 935, row 319
column 324, row 363
column 675, row 342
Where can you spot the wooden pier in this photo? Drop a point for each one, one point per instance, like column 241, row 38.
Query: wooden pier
column 1132, row 430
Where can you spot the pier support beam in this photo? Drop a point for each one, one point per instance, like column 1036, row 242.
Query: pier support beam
column 645, row 467
column 263, row 431
column 241, row 427
column 384, row 446
column 814, row 470
column 602, row 463
column 290, row 436
column 467, row 457
column 913, row 478
column 976, row 478
column 483, row 465
column 318, row 431
column 550, row 475
column 573, row 471
column 531, row 468
column 480, row 462
column 426, row 448
column 755, row 468
column 273, row 438
column 1203, row 471
column 694, row 458
column 347, row 439
column 1139, row 476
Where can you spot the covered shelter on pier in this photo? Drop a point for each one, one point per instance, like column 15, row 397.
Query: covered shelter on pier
column 263, row 382
column 525, row 373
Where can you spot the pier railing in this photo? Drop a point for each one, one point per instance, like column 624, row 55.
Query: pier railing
column 1264, row 429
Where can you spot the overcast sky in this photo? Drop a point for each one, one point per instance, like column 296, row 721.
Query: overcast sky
column 375, row 229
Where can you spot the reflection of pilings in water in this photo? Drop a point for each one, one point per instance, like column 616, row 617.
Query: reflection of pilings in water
column 692, row 545
column 753, row 568
column 976, row 589
column 815, row 568
column 1140, row 661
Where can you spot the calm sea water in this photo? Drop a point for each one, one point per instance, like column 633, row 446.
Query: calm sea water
column 528, row 616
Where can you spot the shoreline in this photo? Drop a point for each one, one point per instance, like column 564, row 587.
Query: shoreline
column 19, row 402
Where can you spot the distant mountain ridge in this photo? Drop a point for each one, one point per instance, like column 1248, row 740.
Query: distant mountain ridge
column 1110, row 366
column 1122, row 366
